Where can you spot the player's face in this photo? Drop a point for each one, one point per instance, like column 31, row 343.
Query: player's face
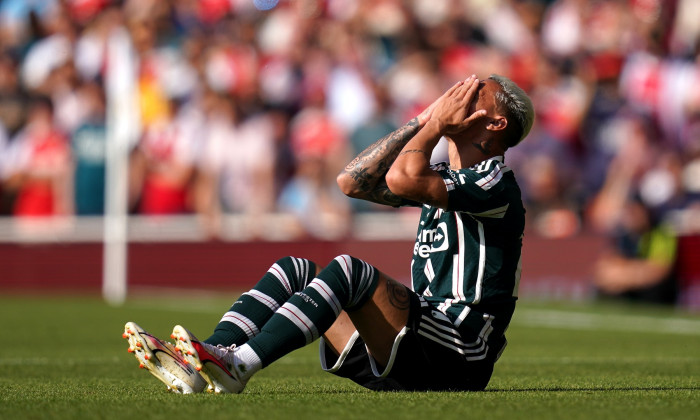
column 494, row 120
column 485, row 97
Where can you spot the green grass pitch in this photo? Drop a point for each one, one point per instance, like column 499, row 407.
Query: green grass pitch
column 64, row 358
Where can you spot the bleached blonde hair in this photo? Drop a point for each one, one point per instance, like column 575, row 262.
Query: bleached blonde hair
column 516, row 105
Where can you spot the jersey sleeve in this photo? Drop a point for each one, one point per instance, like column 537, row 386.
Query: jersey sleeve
column 473, row 191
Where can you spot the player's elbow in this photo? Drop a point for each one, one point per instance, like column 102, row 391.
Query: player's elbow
column 396, row 181
column 348, row 185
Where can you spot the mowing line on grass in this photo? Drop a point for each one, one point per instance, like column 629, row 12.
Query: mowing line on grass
column 46, row 361
column 609, row 322
column 193, row 308
column 547, row 360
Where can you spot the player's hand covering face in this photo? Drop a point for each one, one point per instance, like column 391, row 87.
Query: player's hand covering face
column 452, row 111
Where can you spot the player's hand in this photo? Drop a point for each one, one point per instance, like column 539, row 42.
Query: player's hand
column 451, row 111
column 427, row 113
column 424, row 116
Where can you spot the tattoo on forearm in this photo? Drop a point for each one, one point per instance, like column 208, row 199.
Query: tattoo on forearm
column 382, row 194
column 374, row 162
column 398, row 295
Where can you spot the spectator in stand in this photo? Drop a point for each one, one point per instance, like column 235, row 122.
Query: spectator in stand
column 4, row 197
column 318, row 210
column 162, row 166
column 89, row 144
column 640, row 264
column 39, row 166
column 362, row 137
column 312, row 195
column 233, row 177
column 12, row 117
column 589, row 67
column 13, row 99
column 551, row 207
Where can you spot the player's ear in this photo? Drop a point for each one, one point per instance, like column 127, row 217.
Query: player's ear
column 497, row 123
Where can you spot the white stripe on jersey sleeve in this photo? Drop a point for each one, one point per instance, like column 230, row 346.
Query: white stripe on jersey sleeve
column 490, row 180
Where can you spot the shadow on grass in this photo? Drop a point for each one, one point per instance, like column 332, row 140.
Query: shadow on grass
column 345, row 391
column 598, row 389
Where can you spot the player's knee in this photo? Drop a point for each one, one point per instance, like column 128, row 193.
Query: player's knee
column 360, row 276
column 285, row 262
column 298, row 271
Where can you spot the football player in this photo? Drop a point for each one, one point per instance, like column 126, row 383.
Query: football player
column 447, row 331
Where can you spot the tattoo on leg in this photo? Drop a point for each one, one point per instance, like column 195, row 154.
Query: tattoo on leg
column 398, row 295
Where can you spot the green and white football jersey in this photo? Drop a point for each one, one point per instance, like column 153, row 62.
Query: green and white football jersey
column 469, row 255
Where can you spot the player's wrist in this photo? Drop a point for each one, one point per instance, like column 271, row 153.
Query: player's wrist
column 434, row 127
column 416, row 122
column 422, row 119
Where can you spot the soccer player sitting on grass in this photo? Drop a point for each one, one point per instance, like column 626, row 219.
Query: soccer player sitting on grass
column 446, row 332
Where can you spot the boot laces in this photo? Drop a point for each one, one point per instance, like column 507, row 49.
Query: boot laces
column 221, row 351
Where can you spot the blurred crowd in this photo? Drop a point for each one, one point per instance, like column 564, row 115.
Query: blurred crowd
column 253, row 106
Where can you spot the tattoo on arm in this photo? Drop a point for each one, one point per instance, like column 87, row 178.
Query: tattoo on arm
column 383, row 195
column 370, row 166
column 405, row 152
column 398, row 295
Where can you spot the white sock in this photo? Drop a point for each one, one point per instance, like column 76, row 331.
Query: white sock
column 246, row 362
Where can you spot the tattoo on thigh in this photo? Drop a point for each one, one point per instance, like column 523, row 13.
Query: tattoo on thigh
column 398, row 295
